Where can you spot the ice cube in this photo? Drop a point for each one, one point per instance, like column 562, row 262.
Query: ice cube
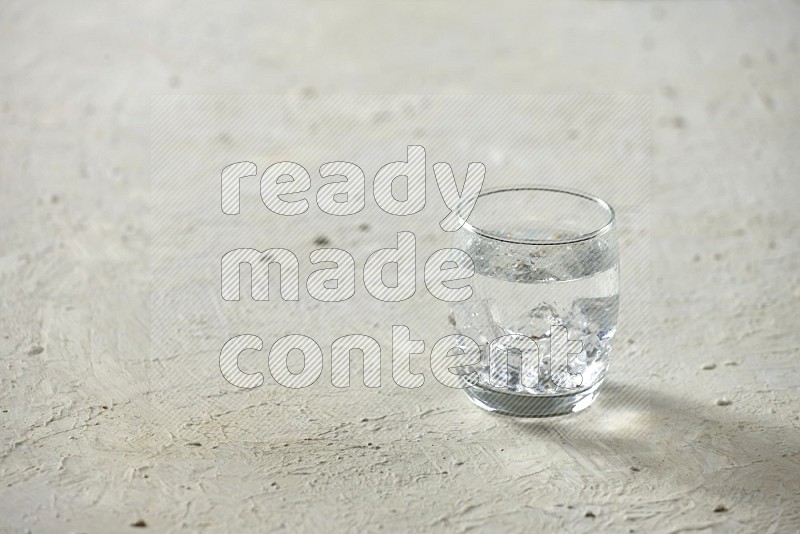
column 537, row 322
column 576, row 322
column 595, row 315
column 567, row 378
column 473, row 318
column 594, row 349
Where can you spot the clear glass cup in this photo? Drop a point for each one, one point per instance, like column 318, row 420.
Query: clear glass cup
column 545, row 299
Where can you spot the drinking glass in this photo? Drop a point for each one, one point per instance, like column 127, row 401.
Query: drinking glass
column 543, row 311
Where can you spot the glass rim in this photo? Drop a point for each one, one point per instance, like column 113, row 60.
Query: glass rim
column 540, row 187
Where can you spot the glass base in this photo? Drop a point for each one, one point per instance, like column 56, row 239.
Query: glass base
column 521, row 405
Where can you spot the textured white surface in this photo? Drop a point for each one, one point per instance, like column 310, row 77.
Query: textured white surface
column 82, row 448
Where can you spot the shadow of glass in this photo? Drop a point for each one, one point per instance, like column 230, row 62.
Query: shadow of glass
column 633, row 427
